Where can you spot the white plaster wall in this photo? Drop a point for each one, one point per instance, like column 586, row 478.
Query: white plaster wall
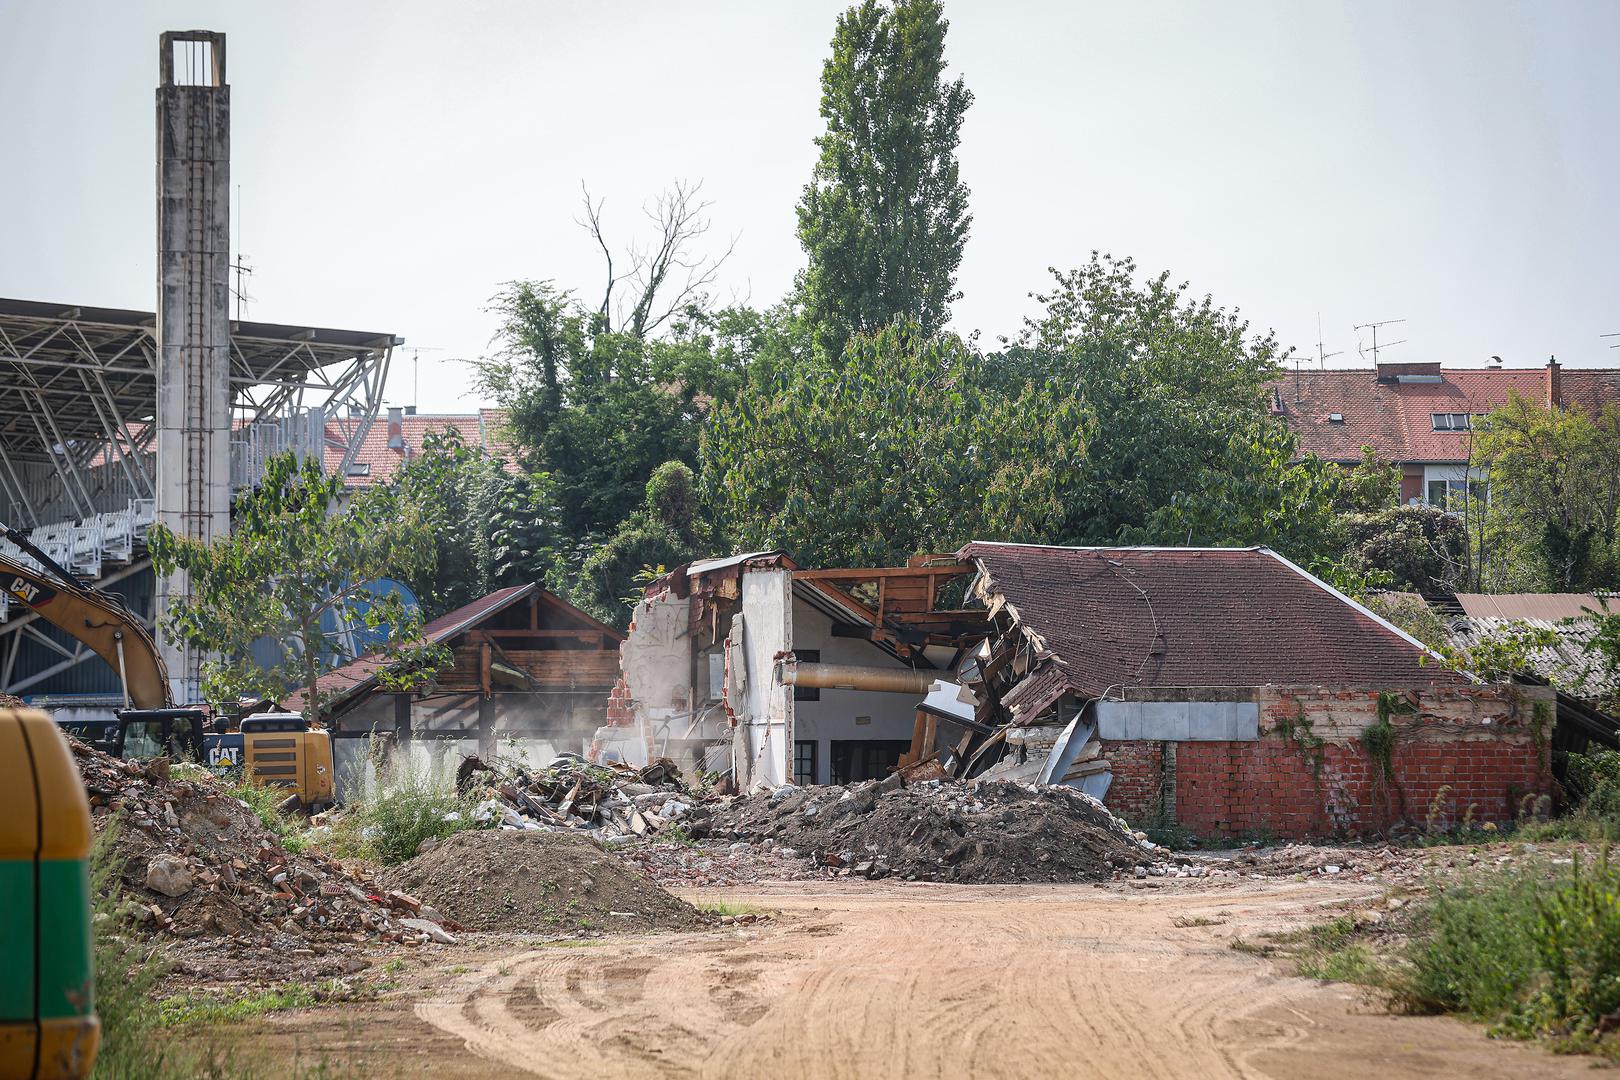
column 833, row 717
column 766, row 741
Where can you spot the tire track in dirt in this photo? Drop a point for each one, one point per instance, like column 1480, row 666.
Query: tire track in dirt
column 945, row 981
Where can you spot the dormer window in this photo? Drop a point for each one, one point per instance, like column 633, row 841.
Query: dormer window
column 1453, row 421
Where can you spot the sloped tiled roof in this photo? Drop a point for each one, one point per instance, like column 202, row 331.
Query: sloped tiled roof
column 1196, row 617
column 1396, row 420
column 484, row 428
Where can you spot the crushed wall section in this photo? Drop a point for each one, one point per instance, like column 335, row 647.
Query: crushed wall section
column 1478, row 753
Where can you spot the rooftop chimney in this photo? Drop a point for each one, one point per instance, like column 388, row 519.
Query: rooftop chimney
column 1554, row 391
column 396, row 428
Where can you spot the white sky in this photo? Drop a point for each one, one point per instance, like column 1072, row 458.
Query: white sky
column 1450, row 163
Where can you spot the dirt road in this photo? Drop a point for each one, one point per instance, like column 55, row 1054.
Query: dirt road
column 936, row 981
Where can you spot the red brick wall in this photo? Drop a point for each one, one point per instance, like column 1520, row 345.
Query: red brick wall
column 1288, row 785
column 1138, row 787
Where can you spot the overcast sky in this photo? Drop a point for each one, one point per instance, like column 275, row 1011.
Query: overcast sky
column 1453, row 164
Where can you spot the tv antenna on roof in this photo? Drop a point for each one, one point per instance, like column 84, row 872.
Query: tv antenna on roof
column 242, row 267
column 1616, row 345
column 1322, row 357
column 1373, row 326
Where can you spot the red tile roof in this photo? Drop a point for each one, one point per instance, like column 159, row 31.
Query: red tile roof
column 484, row 428
column 1396, row 419
column 1195, row 617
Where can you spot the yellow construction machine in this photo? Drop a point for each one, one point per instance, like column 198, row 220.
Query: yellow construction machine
column 275, row 749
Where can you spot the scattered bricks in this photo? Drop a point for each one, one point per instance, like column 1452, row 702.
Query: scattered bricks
column 403, row 902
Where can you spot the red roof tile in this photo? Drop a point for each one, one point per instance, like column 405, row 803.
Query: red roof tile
column 484, row 428
column 1396, row 419
column 1196, row 617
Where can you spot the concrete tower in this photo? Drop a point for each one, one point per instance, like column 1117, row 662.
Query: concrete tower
column 193, row 309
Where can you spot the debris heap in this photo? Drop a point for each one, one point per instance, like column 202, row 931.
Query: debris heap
column 941, row 830
column 609, row 801
column 538, row 881
column 199, row 865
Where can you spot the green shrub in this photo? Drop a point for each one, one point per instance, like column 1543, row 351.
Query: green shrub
column 264, row 800
column 1537, row 954
column 410, row 806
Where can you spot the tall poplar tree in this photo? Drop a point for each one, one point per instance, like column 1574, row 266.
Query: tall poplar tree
column 884, row 217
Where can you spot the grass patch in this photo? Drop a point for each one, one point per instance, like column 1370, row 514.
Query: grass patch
column 726, row 907
column 1184, row 922
column 189, row 1010
column 1534, row 952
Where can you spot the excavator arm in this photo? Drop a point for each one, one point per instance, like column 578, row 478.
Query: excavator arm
column 99, row 619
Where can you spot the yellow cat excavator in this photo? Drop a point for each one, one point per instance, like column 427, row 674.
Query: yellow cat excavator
column 274, row 749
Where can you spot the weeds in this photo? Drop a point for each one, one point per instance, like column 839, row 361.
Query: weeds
column 726, row 907
column 185, row 1010
column 411, row 806
column 1535, row 954
column 288, row 831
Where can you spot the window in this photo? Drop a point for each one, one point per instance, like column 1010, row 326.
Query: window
column 807, row 693
column 865, row 759
column 804, row 761
column 1335, row 417
column 1453, row 421
column 359, row 468
column 1448, row 494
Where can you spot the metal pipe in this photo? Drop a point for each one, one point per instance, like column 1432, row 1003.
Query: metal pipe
column 857, row 677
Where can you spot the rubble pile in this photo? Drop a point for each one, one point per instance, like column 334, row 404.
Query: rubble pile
column 538, row 881
column 198, row 865
column 608, row 801
column 941, row 830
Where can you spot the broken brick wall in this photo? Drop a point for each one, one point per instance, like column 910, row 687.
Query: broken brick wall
column 1477, row 752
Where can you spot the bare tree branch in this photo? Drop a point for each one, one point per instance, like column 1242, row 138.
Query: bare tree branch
column 668, row 277
column 593, row 224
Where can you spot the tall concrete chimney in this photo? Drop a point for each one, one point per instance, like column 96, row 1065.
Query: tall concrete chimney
column 396, row 428
column 193, row 309
column 1555, row 392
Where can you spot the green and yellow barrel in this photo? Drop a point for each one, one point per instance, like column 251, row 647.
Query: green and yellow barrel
column 48, row 1025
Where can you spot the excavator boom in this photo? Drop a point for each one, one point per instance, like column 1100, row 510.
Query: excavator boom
column 99, row 619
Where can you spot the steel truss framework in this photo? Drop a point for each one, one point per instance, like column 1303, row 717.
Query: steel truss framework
column 78, row 394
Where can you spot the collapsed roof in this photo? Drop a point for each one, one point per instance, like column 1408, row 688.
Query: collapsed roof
column 1107, row 618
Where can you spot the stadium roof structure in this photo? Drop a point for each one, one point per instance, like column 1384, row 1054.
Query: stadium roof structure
column 78, row 389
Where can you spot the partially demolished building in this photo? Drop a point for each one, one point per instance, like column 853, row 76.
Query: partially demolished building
column 1225, row 689
column 776, row 674
column 1232, row 692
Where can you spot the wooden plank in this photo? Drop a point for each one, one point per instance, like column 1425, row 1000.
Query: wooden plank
column 874, row 573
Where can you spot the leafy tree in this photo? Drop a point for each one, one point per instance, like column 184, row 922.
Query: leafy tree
column 1556, row 472
column 1171, row 387
column 913, row 443
column 1255, row 493
column 296, row 559
column 667, row 531
column 492, row 525
column 884, row 217
column 1421, row 548
column 1371, row 487
column 599, row 409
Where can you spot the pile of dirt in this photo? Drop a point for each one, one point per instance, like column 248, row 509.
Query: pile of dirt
column 523, row 880
column 994, row 831
column 199, row 865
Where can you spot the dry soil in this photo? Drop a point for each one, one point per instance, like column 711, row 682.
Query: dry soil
column 858, row 979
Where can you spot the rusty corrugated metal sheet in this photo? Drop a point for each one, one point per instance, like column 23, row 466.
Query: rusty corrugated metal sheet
column 1549, row 606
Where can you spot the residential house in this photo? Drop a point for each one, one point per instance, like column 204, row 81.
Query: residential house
column 1420, row 416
